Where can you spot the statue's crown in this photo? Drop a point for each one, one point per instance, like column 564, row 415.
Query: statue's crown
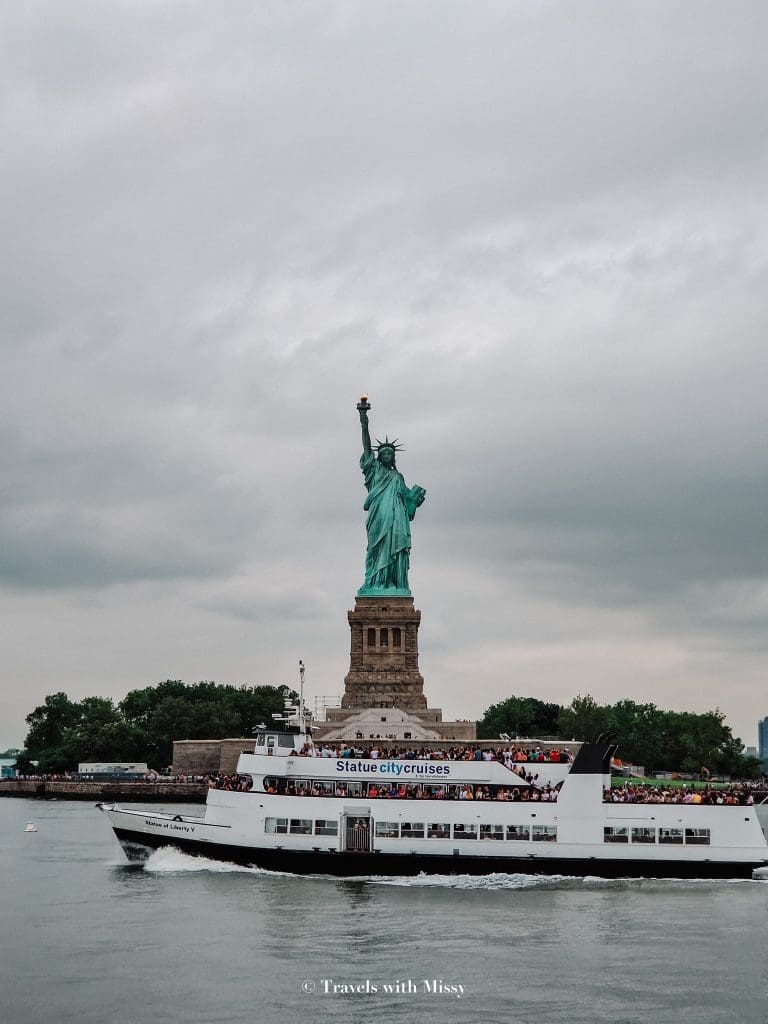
column 386, row 443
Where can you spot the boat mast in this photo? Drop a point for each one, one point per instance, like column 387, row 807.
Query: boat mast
column 304, row 715
column 301, row 693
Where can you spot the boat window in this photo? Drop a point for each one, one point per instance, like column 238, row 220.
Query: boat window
column 491, row 831
column 465, row 831
column 301, row 826
column 412, row 830
column 260, row 740
column 671, row 836
column 276, row 825
column 615, row 834
column 544, row 833
column 387, row 829
column 518, row 832
column 326, row 827
column 643, row 835
column 697, row 836
column 354, row 789
column 438, row 830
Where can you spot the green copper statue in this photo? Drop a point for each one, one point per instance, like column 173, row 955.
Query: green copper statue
column 390, row 506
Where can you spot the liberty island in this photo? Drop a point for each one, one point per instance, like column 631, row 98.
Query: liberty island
column 310, row 802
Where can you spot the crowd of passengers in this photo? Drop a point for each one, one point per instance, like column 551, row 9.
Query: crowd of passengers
column 507, row 756
column 233, row 783
column 413, row 791
column 645, row 793
column 534, row 790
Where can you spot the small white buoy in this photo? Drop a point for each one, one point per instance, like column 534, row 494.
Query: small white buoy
column 30, row 827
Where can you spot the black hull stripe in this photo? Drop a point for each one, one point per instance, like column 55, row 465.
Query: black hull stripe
column 308, row 862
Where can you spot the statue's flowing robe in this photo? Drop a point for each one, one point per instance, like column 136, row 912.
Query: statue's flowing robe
column 390, row 506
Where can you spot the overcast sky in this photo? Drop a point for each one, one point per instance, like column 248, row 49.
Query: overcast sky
column 535, row 233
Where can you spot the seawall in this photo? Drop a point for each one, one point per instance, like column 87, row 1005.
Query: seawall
column 128, row 792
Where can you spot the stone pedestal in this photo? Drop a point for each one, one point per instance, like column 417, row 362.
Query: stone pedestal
column 384, row 655
column 384, row 690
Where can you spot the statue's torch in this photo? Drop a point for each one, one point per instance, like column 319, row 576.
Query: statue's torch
column 363, row 405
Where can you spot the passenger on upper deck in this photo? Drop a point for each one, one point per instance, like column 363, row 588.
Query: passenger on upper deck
column 506, row 756
column 646, row 793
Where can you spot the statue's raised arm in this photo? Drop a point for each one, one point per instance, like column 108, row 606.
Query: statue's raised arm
column 390, row 506
column 362, row 407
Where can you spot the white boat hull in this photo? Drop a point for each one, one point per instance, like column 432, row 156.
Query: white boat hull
column 142, row 832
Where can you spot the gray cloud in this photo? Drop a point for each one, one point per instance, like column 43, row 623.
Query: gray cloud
column 536, row 235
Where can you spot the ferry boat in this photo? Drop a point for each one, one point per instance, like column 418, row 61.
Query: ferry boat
column 352, row 816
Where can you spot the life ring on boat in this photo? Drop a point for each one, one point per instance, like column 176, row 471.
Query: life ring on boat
column 178, row 817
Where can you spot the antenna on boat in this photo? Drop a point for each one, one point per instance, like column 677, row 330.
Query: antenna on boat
column 301, row 694
column 296, row 714
column 305, row 716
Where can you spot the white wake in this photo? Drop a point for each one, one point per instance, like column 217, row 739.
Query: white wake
column 169, row 860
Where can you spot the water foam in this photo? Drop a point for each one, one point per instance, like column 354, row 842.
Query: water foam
column 168, row 860
column 519, row 881
column 503, row 880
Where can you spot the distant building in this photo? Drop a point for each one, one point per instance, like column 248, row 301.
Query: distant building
column 112, row 768
column 207, row 757
column 762, row 742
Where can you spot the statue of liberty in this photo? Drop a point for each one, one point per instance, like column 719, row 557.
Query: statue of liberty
column 390, row 506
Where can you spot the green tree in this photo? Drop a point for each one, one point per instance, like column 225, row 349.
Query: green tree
column 519, row 716
column 677, row 740
column 143, row 726
column 24, row 764
column 101, row 734
column 138, row 705
column 639, row 732
column 743, row 766
column 47, row 726
column 583, row 719
column 205, row 710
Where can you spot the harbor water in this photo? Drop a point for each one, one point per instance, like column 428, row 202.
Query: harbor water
column 87, row 938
